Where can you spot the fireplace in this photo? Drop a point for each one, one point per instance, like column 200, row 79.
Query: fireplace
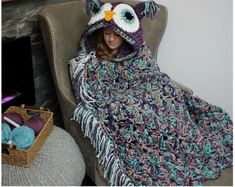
column 17, row 73
column 32, row 80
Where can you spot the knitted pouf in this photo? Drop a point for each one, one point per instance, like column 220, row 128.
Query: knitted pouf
column 58, row 163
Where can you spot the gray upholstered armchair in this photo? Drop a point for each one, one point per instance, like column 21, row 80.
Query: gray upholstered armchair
column 62, row 25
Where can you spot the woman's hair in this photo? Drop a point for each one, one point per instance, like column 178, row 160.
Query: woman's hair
column 103, row 51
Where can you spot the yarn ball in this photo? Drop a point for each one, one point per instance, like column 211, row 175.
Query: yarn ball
column 6, row 132
column 22, row 137
column 36, row 123
column 14, row 117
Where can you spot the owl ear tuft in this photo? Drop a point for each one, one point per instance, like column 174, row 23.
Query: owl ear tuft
column 147, row 8
column 92, row 6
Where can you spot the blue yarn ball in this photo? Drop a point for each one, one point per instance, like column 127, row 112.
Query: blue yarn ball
column 6, row 132
column 22, row 137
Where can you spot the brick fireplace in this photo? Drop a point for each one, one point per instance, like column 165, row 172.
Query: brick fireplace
column 20, row 21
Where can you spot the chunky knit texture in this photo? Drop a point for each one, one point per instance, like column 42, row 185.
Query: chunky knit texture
column 146, row 130
column 58, row 163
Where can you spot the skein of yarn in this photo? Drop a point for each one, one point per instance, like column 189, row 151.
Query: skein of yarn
column 36, row 123
column 22, row 136
column 15, row 117
column 6, row 133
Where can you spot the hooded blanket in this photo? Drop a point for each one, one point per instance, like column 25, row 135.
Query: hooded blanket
column 146, row 130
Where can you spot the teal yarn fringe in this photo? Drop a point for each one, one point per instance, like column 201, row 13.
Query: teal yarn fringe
column 91, row 6
column 150, row 9
column 104, row 146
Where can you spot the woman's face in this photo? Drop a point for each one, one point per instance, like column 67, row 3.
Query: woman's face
column 112, row 39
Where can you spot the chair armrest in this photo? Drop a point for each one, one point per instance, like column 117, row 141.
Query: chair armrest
column 185, row 88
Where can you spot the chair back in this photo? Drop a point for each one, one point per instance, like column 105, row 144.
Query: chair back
column 62, row 25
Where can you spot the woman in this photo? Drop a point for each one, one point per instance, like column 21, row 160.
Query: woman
column 108, row 43
column 146, row 130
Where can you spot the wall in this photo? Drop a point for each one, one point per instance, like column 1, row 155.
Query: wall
column 196, row 49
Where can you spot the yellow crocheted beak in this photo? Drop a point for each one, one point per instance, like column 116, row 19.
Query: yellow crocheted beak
column 108, row 15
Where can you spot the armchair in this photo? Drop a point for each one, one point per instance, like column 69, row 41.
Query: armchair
column 62, row 25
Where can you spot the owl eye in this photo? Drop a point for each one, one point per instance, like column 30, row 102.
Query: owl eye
column 126, row 18
column 99, row 14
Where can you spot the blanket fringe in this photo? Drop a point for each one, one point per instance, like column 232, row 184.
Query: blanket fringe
column 104, row 147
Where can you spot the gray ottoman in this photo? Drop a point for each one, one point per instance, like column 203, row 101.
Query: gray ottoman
column 58, row 163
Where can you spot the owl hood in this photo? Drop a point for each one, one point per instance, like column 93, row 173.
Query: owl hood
column 123, row 18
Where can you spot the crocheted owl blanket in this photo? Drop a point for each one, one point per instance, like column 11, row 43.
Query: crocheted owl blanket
column 147, row 130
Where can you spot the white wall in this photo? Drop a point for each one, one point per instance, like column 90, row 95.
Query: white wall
column 196, row 49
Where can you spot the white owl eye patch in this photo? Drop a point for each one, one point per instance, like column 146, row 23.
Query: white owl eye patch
column 124, row 16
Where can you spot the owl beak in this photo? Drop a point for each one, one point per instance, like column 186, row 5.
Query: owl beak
column 108, row 15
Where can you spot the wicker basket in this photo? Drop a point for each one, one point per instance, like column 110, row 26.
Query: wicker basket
column 21, row 157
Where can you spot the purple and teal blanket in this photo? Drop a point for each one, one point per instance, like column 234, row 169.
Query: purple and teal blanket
column 146, row 129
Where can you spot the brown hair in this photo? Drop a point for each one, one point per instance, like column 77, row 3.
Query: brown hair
column 103, row 51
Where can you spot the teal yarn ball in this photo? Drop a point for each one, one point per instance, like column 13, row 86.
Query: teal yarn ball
column 6, row 132
column 22, row 137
